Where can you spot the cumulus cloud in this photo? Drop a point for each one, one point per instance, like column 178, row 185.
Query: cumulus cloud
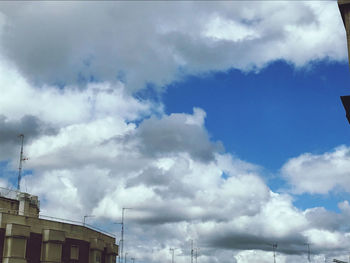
column 29, row 125
column 95, row 148
column 94, row 43
column 107, row 159
column 319, row 173
column 177, row 133
column 61, row 107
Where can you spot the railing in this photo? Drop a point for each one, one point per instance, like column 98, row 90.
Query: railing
column 14, row 194
column 9, row 193
column 73, row 222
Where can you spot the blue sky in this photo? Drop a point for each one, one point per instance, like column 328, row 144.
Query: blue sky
column 218, row 122
column 270, row 116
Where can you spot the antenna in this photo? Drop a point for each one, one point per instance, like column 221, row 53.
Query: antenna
column 308, row 251
column 172, row 250
column 122, row 240
column 192, row 251
column 21, row 159
column 196, row 253
column 274, row 247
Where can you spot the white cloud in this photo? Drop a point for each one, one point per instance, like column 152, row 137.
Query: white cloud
column 68, row 105
column 146, row 42
column 221, row 29
column 313, row 173
column 95, row 148
column 96, row 163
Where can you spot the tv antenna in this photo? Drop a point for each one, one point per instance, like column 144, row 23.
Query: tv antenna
column 172, row 251
column 21, row 159
column 274, row 247
column 308, row 252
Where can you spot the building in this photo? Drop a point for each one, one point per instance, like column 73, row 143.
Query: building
column 25, row 237
column 344, row 7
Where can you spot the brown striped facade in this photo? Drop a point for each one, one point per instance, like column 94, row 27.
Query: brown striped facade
column 26, row 238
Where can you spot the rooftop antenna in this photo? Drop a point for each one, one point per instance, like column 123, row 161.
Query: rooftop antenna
column 172, row 250
column 192, row 251
column 274, row 247
column 122, row 237
column 21, row 159
column 196, row 253
column 308, row 251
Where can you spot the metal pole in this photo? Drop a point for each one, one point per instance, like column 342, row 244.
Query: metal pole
column 119, row 246
column 20, row 163
column 274, row 246
column 86, row 216
column 172, row 250
column 191, row 251
column 196, row 253
column 122, row 240
column 308, row 252
column 119, row 252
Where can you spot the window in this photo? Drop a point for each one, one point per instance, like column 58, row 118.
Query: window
column 98, row 257
column 74, row 252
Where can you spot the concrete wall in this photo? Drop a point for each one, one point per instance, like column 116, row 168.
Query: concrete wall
column 28, row 239
column 25, row 238
column 9, row 205
column 25, row 205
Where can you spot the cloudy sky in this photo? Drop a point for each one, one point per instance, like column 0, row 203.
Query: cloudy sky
column 217, row 122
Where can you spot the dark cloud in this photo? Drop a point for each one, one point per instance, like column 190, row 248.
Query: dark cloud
column 30, row 126
column 292, row 244
column 323, row 219
column 174, row 135
column 162, row 215
column 9, row 130
column 151, row 176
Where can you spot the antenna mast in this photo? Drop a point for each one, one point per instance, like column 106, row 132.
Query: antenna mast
column 21, row 159
column 274, row 247
column 192, row 251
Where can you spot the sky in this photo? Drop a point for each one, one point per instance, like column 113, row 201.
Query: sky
column 216, row 121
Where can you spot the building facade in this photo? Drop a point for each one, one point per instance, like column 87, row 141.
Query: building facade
column 27, row 238
column 344, row 7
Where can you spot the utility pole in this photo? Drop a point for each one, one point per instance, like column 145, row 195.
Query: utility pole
column 308, row 252
column 196, row 253
column 21, row 159
column 122, row 240
column 274, row 247
column 274, row 252
column 191, row 251
column 172, row 251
